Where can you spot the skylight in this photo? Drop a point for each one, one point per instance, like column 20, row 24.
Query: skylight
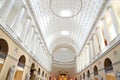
column 64, row 33
column 65, row 13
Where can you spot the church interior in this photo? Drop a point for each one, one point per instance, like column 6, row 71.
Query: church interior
column 59, row 39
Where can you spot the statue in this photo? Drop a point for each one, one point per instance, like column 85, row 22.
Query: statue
column 27, row 76
column 99, row 77
column 11, row 73
column 36, row 76
column 117, row 75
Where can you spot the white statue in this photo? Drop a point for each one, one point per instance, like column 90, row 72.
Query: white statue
column 11, row 73
column 36, row 76
column 27, row 76
column 117, row 75
column 99, row 77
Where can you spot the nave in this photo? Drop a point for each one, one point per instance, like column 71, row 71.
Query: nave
column 81, row 43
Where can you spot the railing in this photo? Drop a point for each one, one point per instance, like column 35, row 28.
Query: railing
column 21, row 65
column 3, row 55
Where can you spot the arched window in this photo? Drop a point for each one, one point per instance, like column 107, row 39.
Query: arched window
column 22, row 61
column 88, row 73
column 32, row 70
column 38, row 71
column 108, row 65
column 95, row 70
column 3, row 48
column 50, row 78
column 83, row 75
column 43, row 74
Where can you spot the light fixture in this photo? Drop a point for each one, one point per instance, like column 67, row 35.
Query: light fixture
column 65, row 8
column 65, row 33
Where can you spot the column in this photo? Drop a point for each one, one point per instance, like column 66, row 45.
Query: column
column 2, row 3
column 37, row 46
column 31, row 42
column 34, row 43
column 6, row 8
column 114, row 18
column 96, row 45
column 100, row 38
column 89, row 53
column 92, row 50
column 25, row 30
column 17, row 27
column 105, row 27
column 29, row 36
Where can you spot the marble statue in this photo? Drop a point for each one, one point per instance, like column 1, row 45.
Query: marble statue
column 99, row 77
column 27, row 76
column 117, row 75
column 36, row 76
column 11, row 73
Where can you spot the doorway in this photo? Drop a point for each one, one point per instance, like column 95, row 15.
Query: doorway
column 3, row 52
column 20, row 68
column 109, row 70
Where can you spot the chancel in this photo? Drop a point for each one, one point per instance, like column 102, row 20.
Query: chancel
column 59, row 39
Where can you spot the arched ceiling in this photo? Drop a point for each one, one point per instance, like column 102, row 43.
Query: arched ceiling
column 65, row 22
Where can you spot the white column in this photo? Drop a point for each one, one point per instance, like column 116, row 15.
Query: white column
column 92, row 50
column 6, row 8
column 31, row 41
column 17, row 27
column 105, row 27
column 25, row 30
column 2, row 3
column 96, row 45
column 89, row 53
column 101, row 38
column 29, row 36
column 34, row 42
column 114, row 18
column 37, row 46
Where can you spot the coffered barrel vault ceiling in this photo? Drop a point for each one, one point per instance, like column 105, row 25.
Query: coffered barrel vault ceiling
column 65, row 22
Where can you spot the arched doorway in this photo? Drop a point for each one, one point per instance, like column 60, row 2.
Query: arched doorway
column 42, row 73
column 3, row 52
column 109, row 69
column 45, row 75
column 32, row 71
column 50, row 78
column 38, row 71
column 88, row 74
column 83, row 76
column 80, row 77
column 95, row 73
column 20, row 68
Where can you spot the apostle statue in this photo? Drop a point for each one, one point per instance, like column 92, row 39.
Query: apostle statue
column 27, row 76
column 117, row 75
column 11, row 73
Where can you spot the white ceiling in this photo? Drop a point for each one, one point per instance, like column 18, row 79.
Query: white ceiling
column 76, row 25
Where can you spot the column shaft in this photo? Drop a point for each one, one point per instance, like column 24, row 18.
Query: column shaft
column 6, row 8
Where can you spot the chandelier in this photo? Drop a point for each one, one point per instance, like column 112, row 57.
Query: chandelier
column 65, row 8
